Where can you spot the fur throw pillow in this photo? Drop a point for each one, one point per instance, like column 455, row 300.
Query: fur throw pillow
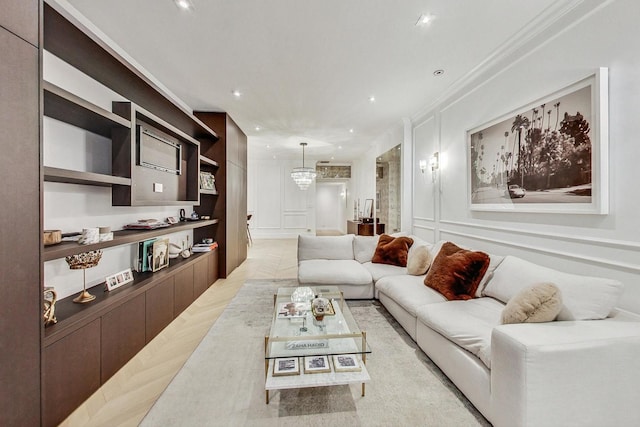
column 392, row 250
column 538, row 303
column 456, row 272
column 418, row 261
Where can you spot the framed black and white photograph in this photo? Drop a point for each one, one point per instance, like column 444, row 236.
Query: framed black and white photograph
column 121, row 278
column 316, row 364
column 160, row 258
column 346, row 363
column 548, row 156
column 286, row 366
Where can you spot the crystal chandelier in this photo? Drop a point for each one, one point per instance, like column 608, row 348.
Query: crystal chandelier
column 303, row 176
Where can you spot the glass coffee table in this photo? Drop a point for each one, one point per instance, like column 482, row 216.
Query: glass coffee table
column 302, row 351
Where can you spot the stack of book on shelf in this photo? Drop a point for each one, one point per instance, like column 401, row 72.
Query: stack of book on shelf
column 146, row 224
column 204, row 247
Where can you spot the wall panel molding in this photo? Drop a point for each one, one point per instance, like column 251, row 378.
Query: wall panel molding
column 612, row 243
column 582, row 258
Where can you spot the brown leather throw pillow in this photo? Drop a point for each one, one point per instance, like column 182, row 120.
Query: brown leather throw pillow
column 456, row 272
column 392, row 250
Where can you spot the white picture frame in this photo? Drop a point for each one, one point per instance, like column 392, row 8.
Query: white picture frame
column 563, row 168
column 119, row 279
column 286, row 366
column 316, row 365
column 346, row 363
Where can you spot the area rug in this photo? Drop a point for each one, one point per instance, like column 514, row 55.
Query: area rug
column 222, row 383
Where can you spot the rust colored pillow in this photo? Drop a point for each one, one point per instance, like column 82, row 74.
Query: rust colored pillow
column 392, row 250
column 456, row 272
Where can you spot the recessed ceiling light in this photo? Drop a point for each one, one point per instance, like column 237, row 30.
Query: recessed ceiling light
column 274, row 156
column 332, row 157
column 372, row 99
column 258, row 128
column 438, row 73
column 184, row 4
column 236, row 93
column 339, row 147
column 351, row 130
column 424, row 19
column 268, row 146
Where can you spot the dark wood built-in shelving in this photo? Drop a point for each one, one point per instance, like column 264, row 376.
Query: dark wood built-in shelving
column 121, row 237
column 70, row 314
column 68, row 176
column 69, row 108
column 207, row 161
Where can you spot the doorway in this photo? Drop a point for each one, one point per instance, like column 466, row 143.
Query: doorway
column 331, row 208
column 388, row 188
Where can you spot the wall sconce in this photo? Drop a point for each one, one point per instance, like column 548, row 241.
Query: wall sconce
column 434, row 162
column 423, row 165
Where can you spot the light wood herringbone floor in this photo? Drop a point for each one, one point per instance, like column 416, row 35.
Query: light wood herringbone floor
column 125, row 399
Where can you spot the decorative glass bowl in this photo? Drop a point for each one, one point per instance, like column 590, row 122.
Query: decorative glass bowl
column 302, row 294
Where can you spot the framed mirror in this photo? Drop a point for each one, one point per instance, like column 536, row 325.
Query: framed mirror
column 367, row 212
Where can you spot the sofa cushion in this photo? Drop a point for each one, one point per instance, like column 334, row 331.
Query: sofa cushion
column 325, row 247
column 392, row 250
column 494, row 262
column 408, row 291
column 364, row 247
column 378, row 271
column 583, row 297
column 418, row 260
column 456, row 272
column 535, row 304
column 466, row 323
column 333, row 272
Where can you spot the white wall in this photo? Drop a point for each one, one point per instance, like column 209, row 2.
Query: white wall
column 602, row 245
column 279, row 208
column 331, row 206
column 70, row 207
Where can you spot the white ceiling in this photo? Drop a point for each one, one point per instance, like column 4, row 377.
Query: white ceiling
column 306, row 68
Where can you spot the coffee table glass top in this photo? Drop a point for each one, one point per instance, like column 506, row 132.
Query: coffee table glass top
column 296, row 332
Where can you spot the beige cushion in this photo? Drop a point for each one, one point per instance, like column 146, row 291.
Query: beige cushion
column 583, row 297
column 418, row 261
column 535, row 304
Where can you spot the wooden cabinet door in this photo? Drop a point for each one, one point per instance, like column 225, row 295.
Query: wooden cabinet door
column 123, row 335
column 159, row 307
column 183, row 295
column 212, row 271
column 200, row 275
column 71, row 373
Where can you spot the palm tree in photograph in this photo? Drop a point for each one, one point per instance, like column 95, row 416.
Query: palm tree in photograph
column 519, row 123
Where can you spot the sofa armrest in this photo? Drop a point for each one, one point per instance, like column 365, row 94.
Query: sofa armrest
column 582, row 373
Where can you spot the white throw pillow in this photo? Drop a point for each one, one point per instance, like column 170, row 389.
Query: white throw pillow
column 418, row 260
column 583, row 297
column 494, row 262
column 364, row 247
column 535, row 304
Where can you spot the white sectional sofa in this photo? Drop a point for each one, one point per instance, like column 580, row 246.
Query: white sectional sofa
column 581, row 370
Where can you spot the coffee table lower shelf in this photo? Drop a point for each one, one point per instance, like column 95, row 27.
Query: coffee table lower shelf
column 304, row 380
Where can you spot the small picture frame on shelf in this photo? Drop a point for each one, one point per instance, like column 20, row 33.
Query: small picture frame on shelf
column 121, row 278
column 160, row 258
column 286, row 366
column 316, row 365
column 207, row 181
column 346, row 363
